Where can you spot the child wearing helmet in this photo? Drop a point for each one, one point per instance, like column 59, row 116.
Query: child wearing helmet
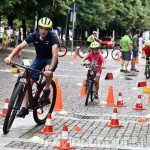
column 97, row 59
column 146, row 50
column 92, row 38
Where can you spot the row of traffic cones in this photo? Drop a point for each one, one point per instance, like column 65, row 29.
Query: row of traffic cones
column 110, row 100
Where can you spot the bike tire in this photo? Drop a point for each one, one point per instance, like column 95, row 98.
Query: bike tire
column 14, row 105
column 104, row 53
column 63, row 51
column 93, row 92
column 147, row 72
column 83, row 51
column 88, row 94
column 41, row 119
column 115, row 52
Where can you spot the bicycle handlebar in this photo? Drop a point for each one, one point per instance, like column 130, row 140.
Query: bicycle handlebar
column 94, row 66
column 14, row 65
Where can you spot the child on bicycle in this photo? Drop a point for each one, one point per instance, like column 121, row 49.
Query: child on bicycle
column 92, row 38
column 96, row 58
column 146, row 50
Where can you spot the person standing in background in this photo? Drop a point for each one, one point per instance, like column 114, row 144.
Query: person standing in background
column 16, row 37
column 135, row 49
column 141, row 41
column 126, row 44
column 5, row 38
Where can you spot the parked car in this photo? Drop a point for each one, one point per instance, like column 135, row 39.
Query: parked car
column 108, row 42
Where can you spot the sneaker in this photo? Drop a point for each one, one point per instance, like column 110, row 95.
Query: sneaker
column 135, row 70
column 23, row 112
column 121, row 70
column 126, row 71
column 44, row 97
column 96, row 96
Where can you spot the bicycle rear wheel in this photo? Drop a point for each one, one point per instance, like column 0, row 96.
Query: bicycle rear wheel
column 83, row 51
column 40, row 114
column 115, row 53
column 147, row 72
column 62, row 51
column 14, row 105
column 104, row 52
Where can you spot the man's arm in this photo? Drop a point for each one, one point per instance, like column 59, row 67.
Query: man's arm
column 130, row 47
column 135, row 44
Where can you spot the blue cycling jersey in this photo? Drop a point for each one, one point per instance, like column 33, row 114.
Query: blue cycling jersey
column 43, row 48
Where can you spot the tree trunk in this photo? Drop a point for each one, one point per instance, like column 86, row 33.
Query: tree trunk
column 10, row 20
column 24, row 28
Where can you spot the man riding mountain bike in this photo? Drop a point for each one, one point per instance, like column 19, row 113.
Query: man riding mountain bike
column 46, row 46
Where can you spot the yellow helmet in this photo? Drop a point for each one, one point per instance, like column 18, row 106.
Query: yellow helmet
column 45, row 22
column 94, row 45
column 147, row 43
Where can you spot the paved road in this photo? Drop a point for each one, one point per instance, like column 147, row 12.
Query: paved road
column 92, row 119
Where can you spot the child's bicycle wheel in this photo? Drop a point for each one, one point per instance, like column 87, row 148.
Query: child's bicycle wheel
column 90, row 93
column 147, row 71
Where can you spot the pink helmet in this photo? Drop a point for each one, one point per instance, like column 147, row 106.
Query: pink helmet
column 94, row 32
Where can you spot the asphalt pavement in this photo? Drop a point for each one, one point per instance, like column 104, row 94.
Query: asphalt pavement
column 95, row 135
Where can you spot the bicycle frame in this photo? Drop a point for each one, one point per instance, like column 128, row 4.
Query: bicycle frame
column 26, row 80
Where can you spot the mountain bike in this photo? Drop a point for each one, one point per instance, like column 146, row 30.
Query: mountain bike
column 40, row 110
column 83, row 51
column 62, row 50
column 147, row 69
column 90, row 82
column 116, row 52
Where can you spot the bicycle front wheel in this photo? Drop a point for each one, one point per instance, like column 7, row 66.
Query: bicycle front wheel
column 147, row 72
column 89, row 92
column 40, row 114
column 116, row 52
column 104, row 53
column 92, row 92
column 62, row 51
column 14, row 105
column 83, row 51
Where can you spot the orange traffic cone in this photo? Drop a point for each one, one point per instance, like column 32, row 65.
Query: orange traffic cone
column 58, row 103
column 56, row 81
column 120, row 101
column 64, row 141
column 118, row 57
column 141, row 120
column 139, row 105
column 75, row 55
column 5, row 109
column 109, row 76
column 83, row 89
column 137, row 60
column 110, row 99
column 77, row 128
column 19, row 54
column 142, row 84
column 114, row 123
column 148, row 98
column 48, row 129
